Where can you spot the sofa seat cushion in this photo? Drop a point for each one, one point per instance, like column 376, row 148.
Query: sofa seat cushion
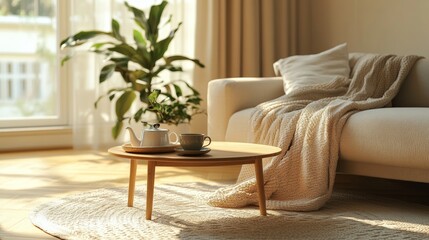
column 388, row 136
column 396, row 137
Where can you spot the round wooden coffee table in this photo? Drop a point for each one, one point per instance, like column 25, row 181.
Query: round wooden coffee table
column 222, row 153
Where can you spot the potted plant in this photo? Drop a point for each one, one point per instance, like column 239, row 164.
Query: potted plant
column 140, row 64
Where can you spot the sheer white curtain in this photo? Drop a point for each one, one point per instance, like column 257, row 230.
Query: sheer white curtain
column 92, row 127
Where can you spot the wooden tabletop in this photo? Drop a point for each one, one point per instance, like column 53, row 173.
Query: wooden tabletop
column 220, row 152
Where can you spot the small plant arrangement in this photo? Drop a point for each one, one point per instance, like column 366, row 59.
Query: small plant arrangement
column 140, row 64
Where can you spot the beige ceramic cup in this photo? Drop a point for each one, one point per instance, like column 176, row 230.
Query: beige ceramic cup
column 194, row 141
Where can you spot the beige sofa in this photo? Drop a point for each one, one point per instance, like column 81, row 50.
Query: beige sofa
column 389, row 143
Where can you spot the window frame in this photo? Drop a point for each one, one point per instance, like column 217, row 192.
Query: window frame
column 45, row 133
column 61, row 73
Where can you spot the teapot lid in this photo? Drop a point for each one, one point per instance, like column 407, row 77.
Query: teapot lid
column 154, row 127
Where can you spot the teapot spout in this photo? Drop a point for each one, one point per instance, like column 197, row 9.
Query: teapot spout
column 135, row 142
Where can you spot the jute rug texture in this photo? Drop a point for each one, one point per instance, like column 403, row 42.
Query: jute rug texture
column 179, row 214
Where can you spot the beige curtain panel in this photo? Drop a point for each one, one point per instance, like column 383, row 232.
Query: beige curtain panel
column 240, row 38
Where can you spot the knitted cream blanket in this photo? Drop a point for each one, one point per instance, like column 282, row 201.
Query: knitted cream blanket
column 307, row 126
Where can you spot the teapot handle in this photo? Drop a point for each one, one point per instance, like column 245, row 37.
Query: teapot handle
column 177, row 137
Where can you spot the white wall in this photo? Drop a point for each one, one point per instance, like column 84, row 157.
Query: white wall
column 380, row 26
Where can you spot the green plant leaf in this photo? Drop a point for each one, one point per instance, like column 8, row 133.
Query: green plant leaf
column 125, row 50
column 106, row 72
column 139, row 18
column 178, row 90
column 81, row 37
column 170, row 17
column 116, row 30
column 124, row 103
column 169, row 60
column 146, row 58
column 122, row 67
column 194, row 91
column 138, row 115
column 154, row 19
column 116, row 130
column 194, row 100
column 139, row 39
column 136, row 11
column 139, row 56
column 130, row 52
column 153, row 96
column 98, row 99
column 143, row 96
column 162, row 46
column 136, row 75
column 171, row 68
column 65, row 59
column 97, row 46
column 169, row 95
column 121, row 62
column 167, row 88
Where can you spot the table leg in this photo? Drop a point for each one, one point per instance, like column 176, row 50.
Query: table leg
column 260, row 184
column 132, row 182
column 150, row 186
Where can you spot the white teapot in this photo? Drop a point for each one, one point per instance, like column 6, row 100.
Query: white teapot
column 152, row 137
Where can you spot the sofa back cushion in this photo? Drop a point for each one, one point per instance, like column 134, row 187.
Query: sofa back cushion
column 414, row 91
column 308, row 71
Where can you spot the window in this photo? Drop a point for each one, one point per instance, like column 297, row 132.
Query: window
column 31, row 92
column 33, row 88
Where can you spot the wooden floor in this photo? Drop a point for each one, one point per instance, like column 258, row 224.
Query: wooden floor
column 28, row 179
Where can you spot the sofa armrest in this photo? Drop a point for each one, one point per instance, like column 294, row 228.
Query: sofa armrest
column 229, row 95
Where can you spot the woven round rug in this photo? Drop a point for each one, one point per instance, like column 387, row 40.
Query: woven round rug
column 180, row 213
